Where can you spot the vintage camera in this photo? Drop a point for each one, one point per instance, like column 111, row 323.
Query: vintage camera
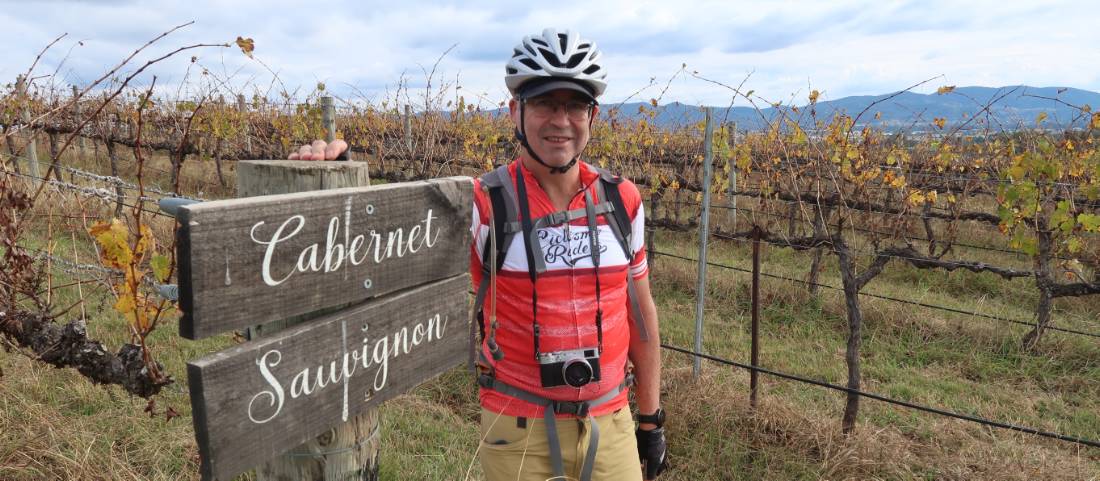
column 575, row 368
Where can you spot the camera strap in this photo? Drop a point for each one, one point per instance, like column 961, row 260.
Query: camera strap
column 594, row 247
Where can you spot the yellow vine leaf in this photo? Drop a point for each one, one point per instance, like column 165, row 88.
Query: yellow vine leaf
column 146, row 244
column 939, row 121
column 946, row 89
column 1040, row 118
column 1096, row 120
column 111, row 237
column 246, row 45
column 125, row 303
column 814, row 94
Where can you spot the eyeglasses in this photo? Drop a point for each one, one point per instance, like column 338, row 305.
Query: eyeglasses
column 545, row 108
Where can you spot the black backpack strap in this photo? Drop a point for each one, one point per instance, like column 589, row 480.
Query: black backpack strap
column 502, row 197
column 620, row 219
column 497, row 183
column 620, row 226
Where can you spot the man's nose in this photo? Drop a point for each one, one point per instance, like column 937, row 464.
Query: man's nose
column 560, row 116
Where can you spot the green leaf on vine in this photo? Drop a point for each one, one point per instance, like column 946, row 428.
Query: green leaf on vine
column 161, row 267
column 1074, row 245
column 1090, row 222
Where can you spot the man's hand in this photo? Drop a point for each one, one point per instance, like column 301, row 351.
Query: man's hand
column 651, row 450
column 319, row 150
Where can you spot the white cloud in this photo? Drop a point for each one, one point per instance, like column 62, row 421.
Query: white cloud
column 842, row 48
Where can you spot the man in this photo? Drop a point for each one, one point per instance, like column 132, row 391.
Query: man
column 563, row 294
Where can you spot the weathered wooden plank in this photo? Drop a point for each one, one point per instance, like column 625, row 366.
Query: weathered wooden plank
column 253, row 260
column 269, row 177
column 256, row 400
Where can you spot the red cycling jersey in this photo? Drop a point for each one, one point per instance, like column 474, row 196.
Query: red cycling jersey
column 566, row 296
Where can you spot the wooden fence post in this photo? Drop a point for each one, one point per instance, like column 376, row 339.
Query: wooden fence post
column 242, row 107
column 31, row 150
column 76, row 110
column 704, row 234
column 328, row 118
column 731, row 192
column 408, row 127
column 348, row 451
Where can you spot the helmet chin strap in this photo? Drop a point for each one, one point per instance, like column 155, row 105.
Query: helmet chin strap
column 523, row 140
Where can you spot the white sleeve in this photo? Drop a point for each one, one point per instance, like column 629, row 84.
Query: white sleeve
column 637, row 229
column 478, row 232
column 637, row 241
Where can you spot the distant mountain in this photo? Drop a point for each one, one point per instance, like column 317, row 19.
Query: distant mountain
column 1009, row 108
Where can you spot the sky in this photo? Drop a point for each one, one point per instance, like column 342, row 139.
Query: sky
column 363, row 50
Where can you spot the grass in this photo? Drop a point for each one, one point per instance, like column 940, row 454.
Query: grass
column 56, row 425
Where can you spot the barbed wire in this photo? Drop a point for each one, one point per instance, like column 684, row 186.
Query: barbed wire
column 75, row 268
column 98, row 193
column 872, row 253
column 944, row 176
column 129, row 185
column 887, row 298
column 754, row 212
column 897, row 402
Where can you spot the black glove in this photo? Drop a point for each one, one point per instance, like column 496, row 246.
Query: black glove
column 651, row 450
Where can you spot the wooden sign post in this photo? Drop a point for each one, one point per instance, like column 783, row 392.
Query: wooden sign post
column 249, row 261
column 259, row 399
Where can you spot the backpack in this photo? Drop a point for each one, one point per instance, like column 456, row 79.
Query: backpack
column 504, row 200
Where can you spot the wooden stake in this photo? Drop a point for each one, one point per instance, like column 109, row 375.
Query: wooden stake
column 25, row 114
column 328, row 118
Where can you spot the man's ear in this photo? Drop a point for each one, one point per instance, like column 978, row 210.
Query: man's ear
column 513, row 110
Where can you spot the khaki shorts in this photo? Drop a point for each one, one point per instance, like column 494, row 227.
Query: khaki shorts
column 511, row 451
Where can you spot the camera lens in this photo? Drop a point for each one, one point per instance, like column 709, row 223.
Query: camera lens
column 576, row 372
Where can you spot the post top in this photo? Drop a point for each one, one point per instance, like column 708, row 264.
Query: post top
column 305, row 165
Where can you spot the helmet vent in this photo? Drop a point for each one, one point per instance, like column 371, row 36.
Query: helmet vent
column 562, row 39
column 550, row 58
column 576, row 59
column 516, row 53
column 539, row 42
column 531, row 64
column 591, row 69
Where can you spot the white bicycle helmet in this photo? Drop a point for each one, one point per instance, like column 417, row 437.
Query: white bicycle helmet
column 552, row 57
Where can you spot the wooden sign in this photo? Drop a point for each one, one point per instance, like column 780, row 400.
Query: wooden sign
column 259, row 399
column 253, row 260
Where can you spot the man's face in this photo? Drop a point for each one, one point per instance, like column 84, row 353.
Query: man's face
column 555, row 126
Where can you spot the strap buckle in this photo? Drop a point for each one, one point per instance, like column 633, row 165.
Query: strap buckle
column 577, row 408
column 486, row 380
column 556, row 218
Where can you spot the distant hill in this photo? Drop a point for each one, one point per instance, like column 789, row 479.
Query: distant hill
column 1015, row 106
